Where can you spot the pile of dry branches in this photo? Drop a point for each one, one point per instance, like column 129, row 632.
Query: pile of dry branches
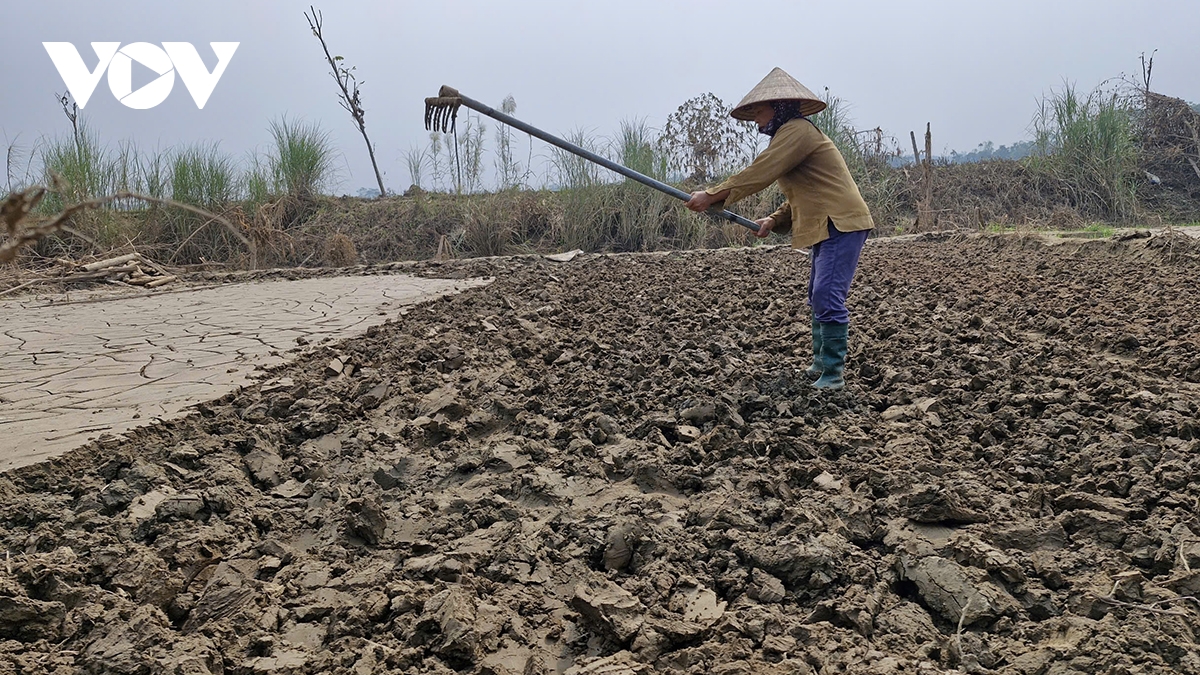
column 131, row 269
column 24, row 227
column 1171, row 140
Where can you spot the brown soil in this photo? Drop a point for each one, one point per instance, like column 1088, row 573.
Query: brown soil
column 613, row 466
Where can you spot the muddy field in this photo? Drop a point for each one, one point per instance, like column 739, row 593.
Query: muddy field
column 613, row 466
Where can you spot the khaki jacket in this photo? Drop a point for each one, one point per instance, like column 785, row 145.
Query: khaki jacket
column 813, row 177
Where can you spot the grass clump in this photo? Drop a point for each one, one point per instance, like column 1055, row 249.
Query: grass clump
column 640, row 211
column 81, row 168
column 200, row 175
column 80, row 165
column 301, row 162
column 1086, row 146
column 203, row 176
column 579, row 189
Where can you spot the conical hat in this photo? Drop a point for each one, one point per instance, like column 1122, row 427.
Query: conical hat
column 779, row 86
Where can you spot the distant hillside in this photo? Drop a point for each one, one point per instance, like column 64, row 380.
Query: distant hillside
column 988, row 150
column 983, row 152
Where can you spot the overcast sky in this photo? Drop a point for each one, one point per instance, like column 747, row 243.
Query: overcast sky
column 973, row 68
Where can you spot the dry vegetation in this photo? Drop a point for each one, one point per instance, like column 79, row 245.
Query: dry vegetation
column 1124, row 156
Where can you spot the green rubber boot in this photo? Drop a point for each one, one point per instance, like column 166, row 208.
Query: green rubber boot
column 814, row 371
column 833, row 355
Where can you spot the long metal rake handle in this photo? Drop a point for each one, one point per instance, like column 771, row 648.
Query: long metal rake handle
column 442, row 111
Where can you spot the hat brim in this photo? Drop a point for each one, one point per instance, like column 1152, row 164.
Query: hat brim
column 808, row 106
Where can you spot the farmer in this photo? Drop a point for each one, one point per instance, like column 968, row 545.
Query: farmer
column 824, row 210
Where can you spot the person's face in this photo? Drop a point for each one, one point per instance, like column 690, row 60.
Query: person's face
column 763, row 112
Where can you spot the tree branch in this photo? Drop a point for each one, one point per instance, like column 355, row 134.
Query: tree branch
column 349, row 97
column 14, row 211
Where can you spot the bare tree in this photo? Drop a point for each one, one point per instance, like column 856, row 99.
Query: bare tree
column 71, row 110
column 348, row 84
column 704, row 142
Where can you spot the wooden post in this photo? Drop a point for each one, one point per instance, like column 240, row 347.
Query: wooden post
column 925, row 219
column 929, row 177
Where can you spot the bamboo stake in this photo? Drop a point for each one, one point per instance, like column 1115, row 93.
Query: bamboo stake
column 928, row 169
column 111, row 262
column 98, row 274
column 925, row 200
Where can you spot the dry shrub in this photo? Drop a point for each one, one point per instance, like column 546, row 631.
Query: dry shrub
column 976, row 194
column 287, row 211
column 1169, row 137
column 532, row 213
column 339, row 251
column 486, row 234
column 731, row 234
column 1175, row 246
column 1062, row 218
column 498, row 224
column 19, row 231
column 275, row 247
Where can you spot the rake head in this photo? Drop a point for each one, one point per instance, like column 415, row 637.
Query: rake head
column 441, row 111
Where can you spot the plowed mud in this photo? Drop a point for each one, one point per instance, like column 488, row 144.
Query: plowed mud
column 614, row 465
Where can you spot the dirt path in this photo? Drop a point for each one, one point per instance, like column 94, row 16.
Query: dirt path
column 72, row 371
column 613, row 466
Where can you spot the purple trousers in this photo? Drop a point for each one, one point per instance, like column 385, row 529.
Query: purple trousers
column 834, row 262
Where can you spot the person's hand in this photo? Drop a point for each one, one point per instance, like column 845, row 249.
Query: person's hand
column 701, row 201
column 765, row 225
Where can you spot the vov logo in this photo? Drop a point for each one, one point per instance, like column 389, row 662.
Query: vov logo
column 172, row 57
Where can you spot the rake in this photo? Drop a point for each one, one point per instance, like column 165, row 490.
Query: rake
column 441, row 113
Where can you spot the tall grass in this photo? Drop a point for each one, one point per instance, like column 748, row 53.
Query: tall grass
column 80, row 165
column 509, row 172
column 641, row 212
column 204, row 176
column 415, row 160
column 154, row 171
column 570, row 171
column 1086, row 145
column 469, row 154
column 441, row 169
column 83, row 167
column 18, row 164
column 257, row 180
column 302, row 159
column 578, row 181
column 636, row 146
column 835, row 122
